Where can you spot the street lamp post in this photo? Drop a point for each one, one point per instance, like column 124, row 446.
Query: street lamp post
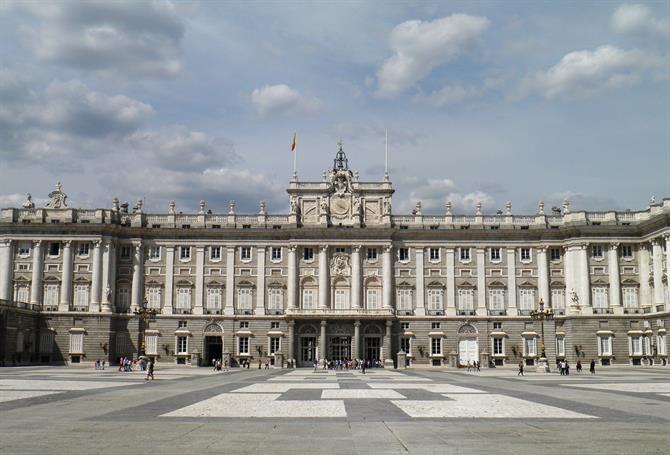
column 540, row 315
column 146, row 315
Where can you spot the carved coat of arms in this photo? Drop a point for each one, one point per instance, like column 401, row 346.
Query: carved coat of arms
column 339, row 265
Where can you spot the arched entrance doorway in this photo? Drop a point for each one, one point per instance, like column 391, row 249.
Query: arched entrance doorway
column 468, row 345
column 213, row 343
column 308, row 346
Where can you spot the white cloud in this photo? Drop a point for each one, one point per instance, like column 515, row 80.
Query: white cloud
column 450, row 94
column 121, row 37
column 419, row 47
column 280, row 98
column 586, row 72
column 435, row 193
column 636, row 18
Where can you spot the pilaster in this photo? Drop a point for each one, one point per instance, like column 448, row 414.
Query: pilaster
column 66, row 278
column 481, row 282
column 356, row 288
column 511, row 282
column 169, row 279
column 387, row 279
column 229, row 309
column 138, row 277
column 292, row 286
column 613, row 271
column 6, row 268
column 199, row 279
column 324, row 280
column 420, row 281
column 260, row 282
column 543, row 274
column 37, row 274
column 96, row 279
column 657, row 257
column 645, row 275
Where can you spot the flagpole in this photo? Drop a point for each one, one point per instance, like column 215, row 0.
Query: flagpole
column 386, row 154
column 294, row 149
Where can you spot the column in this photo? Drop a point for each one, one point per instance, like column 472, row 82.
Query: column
column 657, row 257
column 322, row 343
column 36, row 287
column 420, row 282
column 645, row 289
column 199, row 279
column 387, row 344
column 481, row 282
column 96, row 279
column 667, row 259
column 451, row 282
column 66, row 278
column 105, row 298
column 356, row 289
column 169, row 279
column 112, row 275
column 138, row 275
column 291, row 340
column 387, row 281
column 356, row 345
column 511, row 282
column 229, row 309
column 6, row 269
column 584, row 279
column 260, row 282
column 613, row 270
column 324, row 281
column 292, row 287
column 543, row 275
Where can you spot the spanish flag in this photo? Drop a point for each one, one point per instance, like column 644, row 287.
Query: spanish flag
column 293, row 143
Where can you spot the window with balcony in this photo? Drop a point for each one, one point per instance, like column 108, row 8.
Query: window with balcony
column 183, row 299
column 526, row 299
column 123, row 298
column 244, row 298
column 341, row 299
column 372, row 299
column 599, row 297
column 22, row 294
column 275, row 299
column 435, row 299
column 405, row 299
column 558, row 299
column 497, row 299
column 154, row 297
column 214, row 298
column 466, row 297
column 629, row 294
column 308, row 302
column 81, row 296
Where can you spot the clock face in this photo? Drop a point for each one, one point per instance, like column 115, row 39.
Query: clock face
column 340, row 206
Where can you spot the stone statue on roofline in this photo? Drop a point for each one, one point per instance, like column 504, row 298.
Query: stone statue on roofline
column 57, row 198
column 29, row 204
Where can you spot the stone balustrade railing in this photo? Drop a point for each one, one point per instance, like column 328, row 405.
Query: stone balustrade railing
column 232, row 220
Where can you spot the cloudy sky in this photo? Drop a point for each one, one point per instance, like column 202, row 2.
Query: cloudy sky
column 483, row 101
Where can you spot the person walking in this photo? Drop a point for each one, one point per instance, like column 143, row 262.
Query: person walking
column 150, row 371
column 520, row 373
column 579, row 366
column 592, row 367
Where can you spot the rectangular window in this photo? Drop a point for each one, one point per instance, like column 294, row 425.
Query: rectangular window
column 46, row 342
column 244, row 298
column 308, row 254
column 24, row 248
column 214, row 298
column 530, row 346
column 404, row 299
column 599, row 297
column 436, row 346
column 555, row 254
column 275, row 299
column 245, row 253
column 498, row 348
column 83, row 249
column 627, row 251
column 274, row 345
column 372, row 299
column 605, row 346
column 151, row 344
column 182, row 324
column 403, row 254
column 636, row 345
column 182, row 345
column 495, row 254
column 496, row 299
column 661, row 345
column 81, row 292
column 123, row 298
column 154, row 298
column 22, row 294
column 629, row 297
column 597, row 251
column 308, row 299
column 341, row 299
column 126, row 251
column 274, row 325
column 560, row 346
column 465, row 254
column 243, row 345
column 154, row 252
column 54, row 249
column 372, row 254
column 244, row 324
column 340, row 249
column 183, row 298
column 525, row 254
column 215, row 253
column 404, row 325
column 466, row 299
column 526, row 299
column 276, row 253
column 435, row 299
column 185, row 253
column 435, row 325
column 558, row 299
column 406, row 345
column 434, row 254
column 497, row 326
column 76, row 343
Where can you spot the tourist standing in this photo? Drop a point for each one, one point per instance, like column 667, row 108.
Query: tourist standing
column 520, row 373
column 579, row 366
column 150, row 370
column 592, row 367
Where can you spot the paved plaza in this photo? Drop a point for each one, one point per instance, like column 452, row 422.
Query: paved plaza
column 82, row 411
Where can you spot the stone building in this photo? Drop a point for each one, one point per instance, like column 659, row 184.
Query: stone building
column 337, row 277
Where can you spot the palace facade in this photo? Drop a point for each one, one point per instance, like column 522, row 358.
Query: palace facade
column 338, row 277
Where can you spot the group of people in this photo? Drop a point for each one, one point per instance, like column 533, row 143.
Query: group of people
column 99, row 364
column 473, row 365
column 220, row 364
column 126, row 364
column 564, row 367
column 348, row 364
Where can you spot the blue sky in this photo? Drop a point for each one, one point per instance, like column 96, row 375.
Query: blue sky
column 484, row 101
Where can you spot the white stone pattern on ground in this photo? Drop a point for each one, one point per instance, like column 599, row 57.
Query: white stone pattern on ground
column 484, row 406
column 283, row 387
column 344, row 394
column 262, row 405
column 647, row 387
column 432, row 387
column 16, row 384
column 11, row 395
